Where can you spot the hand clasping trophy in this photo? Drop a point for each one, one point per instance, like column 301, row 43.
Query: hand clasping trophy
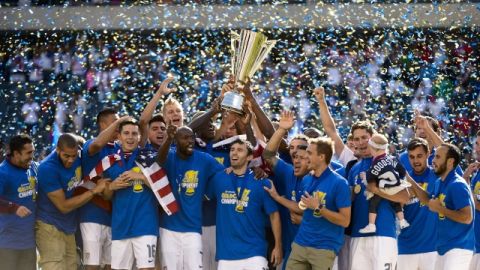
column 248, row 51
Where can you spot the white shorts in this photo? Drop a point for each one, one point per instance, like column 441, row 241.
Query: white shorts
column 97, row 243
column 181, row 250
column 475, row 262
column 458, row 259
column 253, row 263
column 419, row 261
column 142, row 249
column 373, row 252
column 209, row 247
column 342, row 261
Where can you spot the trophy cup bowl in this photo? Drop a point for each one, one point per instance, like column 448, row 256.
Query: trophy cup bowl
column 248, row 50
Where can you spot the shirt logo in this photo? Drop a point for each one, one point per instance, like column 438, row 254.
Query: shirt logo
column 476, row 191
column 137, row 184
column 190, row 182
column 441, row 197
column 220, row 160
column 243, row 202
column 321, row 196
column 75, row 180
column 424, row 187
column 28, row 189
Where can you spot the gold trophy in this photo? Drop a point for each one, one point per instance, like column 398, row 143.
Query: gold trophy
column 248, row 50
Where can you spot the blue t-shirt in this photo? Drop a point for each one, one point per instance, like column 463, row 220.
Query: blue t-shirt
column 455, row 194
column 421, row 235
column 403, row 158
column 53, row 176
column 222, row 155
column 334, row 193
column 134, row 208
column 289, row 186
column 385, row 221
column 189, row 179
column 18, row 185
column 90, row 212
column 338, row 168
column 476, row 196
column 243, row 207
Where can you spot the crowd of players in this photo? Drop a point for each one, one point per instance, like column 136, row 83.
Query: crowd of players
column 239, row 196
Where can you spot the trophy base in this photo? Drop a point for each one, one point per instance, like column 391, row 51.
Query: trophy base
column 233, row 101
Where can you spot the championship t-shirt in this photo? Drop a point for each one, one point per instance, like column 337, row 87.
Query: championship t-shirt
column 243, row 209
column 189, row 179
column 222, row 155
column 421, row 235
column 90, row 212
column 454, row 193
column 289, row 186
column 315, row 230
column 134, row 208
column 18, row 185
column 53, row 176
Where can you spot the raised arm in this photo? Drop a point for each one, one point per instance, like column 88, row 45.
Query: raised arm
column 150, row 108
column 205, row 118
column 287, row 121
column 422, row 122
column 327, row 120
column 163, row 151
column 108, row 135
column 264, row 123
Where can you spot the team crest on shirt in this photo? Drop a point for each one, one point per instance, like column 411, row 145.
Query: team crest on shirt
column 294, row 196
column 476, row 191
column 220, row 160
column 190, row 182
column 321, row 197
column 137, row 184
column 441, row 197
column 28, row 189
column 243, row 202
column 75, row 180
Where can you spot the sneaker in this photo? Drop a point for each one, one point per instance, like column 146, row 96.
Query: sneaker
column 370, row 228
column 403, row 224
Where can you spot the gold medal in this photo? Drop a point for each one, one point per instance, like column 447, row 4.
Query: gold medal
column 357, row 189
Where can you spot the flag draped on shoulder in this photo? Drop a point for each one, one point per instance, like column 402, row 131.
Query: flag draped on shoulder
column 156, row 176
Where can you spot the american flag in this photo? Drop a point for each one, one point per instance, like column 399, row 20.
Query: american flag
column 156, row 176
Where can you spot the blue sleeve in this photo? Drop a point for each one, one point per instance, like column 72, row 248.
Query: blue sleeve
column 281, row 171
column 460, row 193
column 210, row 193
column 2, row 183
column 343, row 196
column 214, row 166
column 48, row 179
column 341, row 171
column 168, row 165
column 269, row 206
column 459, row 170
column 351, row 176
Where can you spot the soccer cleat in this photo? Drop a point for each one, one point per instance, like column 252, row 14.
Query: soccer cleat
column 403, row 224
column 370, row 228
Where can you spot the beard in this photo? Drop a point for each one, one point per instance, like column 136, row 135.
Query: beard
column 439, row 170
